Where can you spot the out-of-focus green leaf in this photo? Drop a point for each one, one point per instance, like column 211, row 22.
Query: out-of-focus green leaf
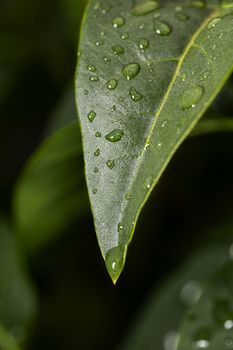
column 158, row 325
column 7, row 341
column 17, row 300
column 147, row 72
column 209, row 325
column 213, row 125
column 51, row 193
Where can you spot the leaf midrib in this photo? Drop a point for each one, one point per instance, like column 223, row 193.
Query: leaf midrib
column 212, row 15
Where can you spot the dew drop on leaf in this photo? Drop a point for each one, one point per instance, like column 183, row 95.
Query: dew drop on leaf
column 162, row 28
column 110, row 164
column 213, row 22
column 113, row 108
column 91, row 68
column 128, row 196
column 124, row 36
column 97, row 152
column 95, row 191
column 112, row 84
column 115, row 135
column 191, row 97
column 148, row 182
column 180, row 14
column 97, row 6
column 106, row 59
column 228, row 324
column 115, row 261
column 94, row 78
column 118, row 50
column 118, row 22
column 145, row 8
column 229, row 342
column 96, row 170
column 143, row 44
column 131, row 70
column 190, row 293
column 91, row 116
column 201, row 344
column 135, row 95
column 184, row 77
column 85, row 92
column 99, row 43
column 98, row 134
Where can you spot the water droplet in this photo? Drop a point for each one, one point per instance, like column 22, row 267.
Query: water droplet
column 202, row 338
column 118, row 22
column 124, row 36
column 95, row 191
column 121, row 99
column 221, row 35
column 180, row 14
column 205, row 75
column 120, row 228
column 159, row 146
column 135, row 95
column 102, row 33
column 97, row 152
column 164, row 124
column 96, row 170
column 213, row 22
column 94, row 78
column 148, row 182
column 115, row 135
column 131, row 70
column 171, row 340
column 229, row 342
column 184, row 77
column 112, row 84
column 114, row 260
column 118, row 50
column 99, row 43
column 110, row 164
column 113, row 108
column 91, row 116
column 98, row 134
column 145, row 8
column 85, row 92
column 79, row 54
column 128, row 196
column 91, row 68
column 143, row 44
column 228, row 324
column 191, row 97
column 162, row 28
column 106, row 59
column 97, row 6
column 190, row 293
column 198, row 3
column 142, row 26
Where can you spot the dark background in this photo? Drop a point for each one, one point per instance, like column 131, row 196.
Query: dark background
column 78, row 306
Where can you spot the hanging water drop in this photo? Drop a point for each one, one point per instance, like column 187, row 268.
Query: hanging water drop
column 192, row 97
column 114, row 260
column 145, row 8
column 112, row 84
column 135, row 95
column 118, row 22
column 91, row 116
column 115, row 135
column 162, row 28
column 131, row 70
column 118, row 50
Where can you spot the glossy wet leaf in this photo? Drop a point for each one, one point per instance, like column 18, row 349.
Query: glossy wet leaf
column 183, row 68
column 158, row 324
column 18, row 304
column 209, row 325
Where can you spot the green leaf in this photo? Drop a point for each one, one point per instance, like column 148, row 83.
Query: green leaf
column 213, row 125
column 51, row 191
column 145, row 76
column 17, row 300
column 7, row 341
column 159, row 322
column 210, row 323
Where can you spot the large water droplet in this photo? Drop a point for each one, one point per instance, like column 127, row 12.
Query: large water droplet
column 135, row 95
column 110, row 164
column 131, row 70
column 143, row 44
column 118, row 22
column 115, row 135
column 228, row 324
column 118, row 50
column 91, row 116
column 191, row 97
column 145, row 8
column 213, row 22
column 115, row 261
column 180, row 14
column 112, row 84
column 162, row 28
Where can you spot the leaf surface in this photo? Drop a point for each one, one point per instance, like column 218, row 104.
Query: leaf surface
column 146, row 74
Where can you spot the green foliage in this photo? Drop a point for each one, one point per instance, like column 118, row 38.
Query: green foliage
column 146, row 77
